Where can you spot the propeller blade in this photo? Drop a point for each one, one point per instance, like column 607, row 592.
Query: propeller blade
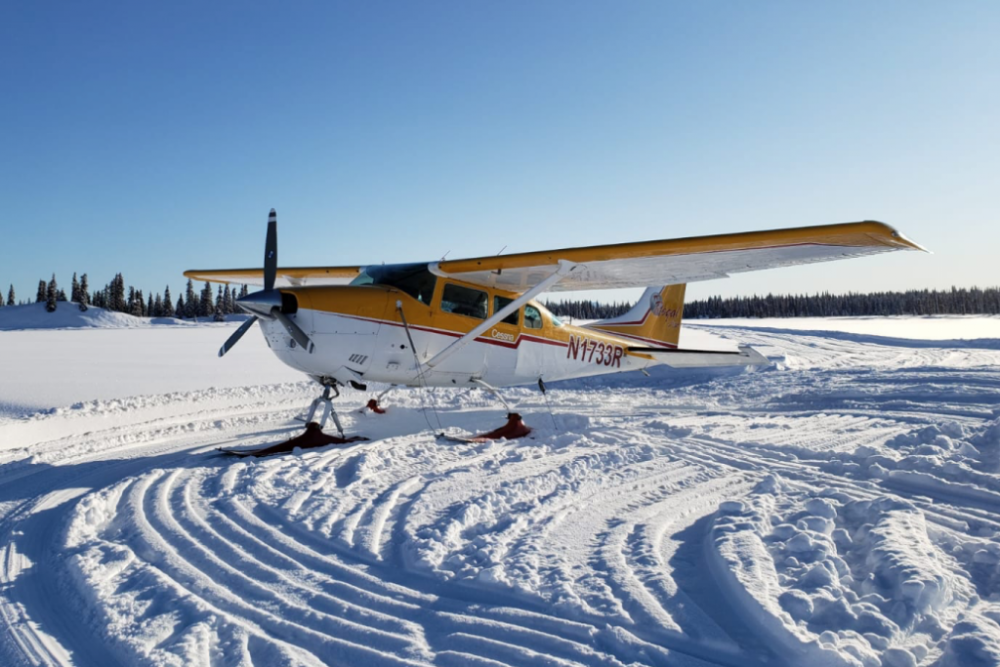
column 228, row 345
column 293, row 330
column 271, row 251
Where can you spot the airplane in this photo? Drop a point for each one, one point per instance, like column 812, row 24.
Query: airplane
column 475, row 322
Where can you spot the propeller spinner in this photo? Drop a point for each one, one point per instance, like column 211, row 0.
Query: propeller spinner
column 267, row 302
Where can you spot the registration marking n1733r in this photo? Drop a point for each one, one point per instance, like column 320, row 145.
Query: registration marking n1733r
column 595, row 352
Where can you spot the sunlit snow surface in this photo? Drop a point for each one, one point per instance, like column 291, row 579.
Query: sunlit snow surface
column 840, row 507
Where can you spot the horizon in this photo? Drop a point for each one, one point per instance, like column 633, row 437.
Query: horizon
column 154, row 139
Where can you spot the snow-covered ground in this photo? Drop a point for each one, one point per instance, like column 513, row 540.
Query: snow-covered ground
column 840, row 507
column 931, row 327
column 45, row 366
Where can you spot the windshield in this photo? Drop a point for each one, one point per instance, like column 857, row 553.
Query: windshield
column 413, row 279
column 556, row 322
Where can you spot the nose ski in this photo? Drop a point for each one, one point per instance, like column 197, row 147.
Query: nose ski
column 312, row 437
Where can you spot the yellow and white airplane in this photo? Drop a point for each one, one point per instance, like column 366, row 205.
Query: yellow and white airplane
column 474, row 322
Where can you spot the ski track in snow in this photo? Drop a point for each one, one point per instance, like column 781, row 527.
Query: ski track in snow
column 841, row 507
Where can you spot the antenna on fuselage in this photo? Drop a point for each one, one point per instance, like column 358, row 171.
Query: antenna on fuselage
column 501, row 251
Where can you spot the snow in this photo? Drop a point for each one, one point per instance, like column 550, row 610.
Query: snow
column 839, row 507
column 929, row 327
column 68, row 315
column 113, row 355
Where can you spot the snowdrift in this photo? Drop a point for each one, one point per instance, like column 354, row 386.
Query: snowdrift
column 69, row 316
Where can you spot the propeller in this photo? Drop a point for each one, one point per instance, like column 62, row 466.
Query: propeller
column 267, row 302
column 228, row 345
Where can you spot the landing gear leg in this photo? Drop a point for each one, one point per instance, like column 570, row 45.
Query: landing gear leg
column 496, row 394
column 327, row 402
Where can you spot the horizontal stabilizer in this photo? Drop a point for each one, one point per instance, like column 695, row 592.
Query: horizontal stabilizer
column 677, row 358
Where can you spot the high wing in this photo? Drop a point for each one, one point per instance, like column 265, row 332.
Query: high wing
column 675, row 261
column 286, row 277
column 640, row 264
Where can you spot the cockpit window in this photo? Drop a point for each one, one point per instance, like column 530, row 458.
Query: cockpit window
column 464, row 301
column 500, row 302
column 556, row 322
column 413, row 279
column 532, row 318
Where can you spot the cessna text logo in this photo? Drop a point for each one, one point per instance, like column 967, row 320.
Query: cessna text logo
column 500, row 335
column 595, row 352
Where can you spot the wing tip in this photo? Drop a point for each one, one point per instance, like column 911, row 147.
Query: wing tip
column 897, row 238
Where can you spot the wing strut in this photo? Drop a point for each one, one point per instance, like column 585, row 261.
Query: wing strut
column 565, row 268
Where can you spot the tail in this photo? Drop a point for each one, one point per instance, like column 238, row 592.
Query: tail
column 655, row 320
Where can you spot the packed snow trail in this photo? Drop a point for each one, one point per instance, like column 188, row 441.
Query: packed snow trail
column 841, row 507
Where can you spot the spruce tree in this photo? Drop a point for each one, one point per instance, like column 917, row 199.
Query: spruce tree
column 10, row 296
column 149, row 306
column 84, row 298
column 181, row 308
column 168, row 306
column 116, row 295
column 2, row 304
column 75, row 289
column 157, row 306
column 228, row 307
column 120, row 290
column 219, row 315
column 206, row 307
column 42, row 292
column 61, row 295
column 190, row 301
column 135, row 303
column 51, row 294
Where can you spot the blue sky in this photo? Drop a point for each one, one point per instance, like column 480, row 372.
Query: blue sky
column 150, row 138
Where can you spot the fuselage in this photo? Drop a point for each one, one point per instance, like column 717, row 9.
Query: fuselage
column 388, row 333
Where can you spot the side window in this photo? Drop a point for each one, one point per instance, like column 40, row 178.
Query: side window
column 498, row 303
column 532, row 318
column 464, row 301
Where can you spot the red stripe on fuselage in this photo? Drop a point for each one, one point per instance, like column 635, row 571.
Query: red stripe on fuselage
column 612, row 323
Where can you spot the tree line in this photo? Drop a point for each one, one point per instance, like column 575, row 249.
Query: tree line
column 115, row 297
column 956, row 301
column 583, row 309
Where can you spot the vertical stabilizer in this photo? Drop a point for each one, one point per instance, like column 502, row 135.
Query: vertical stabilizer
column 655, row 319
